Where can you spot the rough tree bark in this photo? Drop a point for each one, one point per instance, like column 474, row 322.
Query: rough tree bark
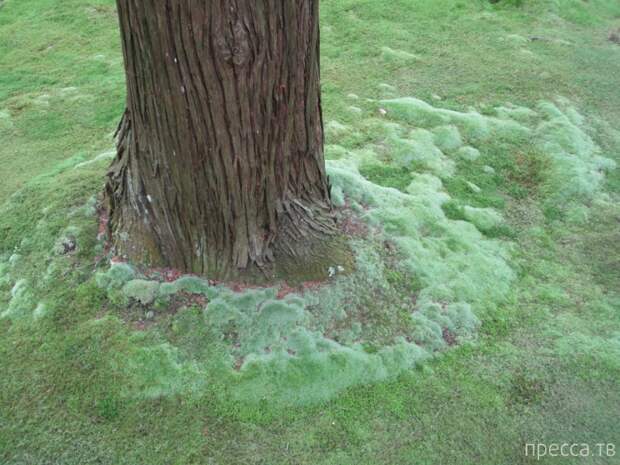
column 220, row 166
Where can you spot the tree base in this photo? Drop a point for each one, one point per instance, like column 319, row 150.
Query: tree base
column 314, row 259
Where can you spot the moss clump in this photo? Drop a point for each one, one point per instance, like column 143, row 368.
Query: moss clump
column 399, row 56
column 434, row 322
column 417, row 151
column 156, row 370
column 22, row 301
column 320, row 369
column 280, row 356
column 6, row 123
column 40, row 311
column 472, row 124
column 577, row 169
column 334, row 152
column 5, row 276
column 141, row 290
column 116, row 276
column 67, row 242
column 253, row 321
column 191, row 284
column 447, row 138
column 518, row 113
column 335, row 129
column 452, row 260
column 468, row 153
column 303, row 349
column 485, row 219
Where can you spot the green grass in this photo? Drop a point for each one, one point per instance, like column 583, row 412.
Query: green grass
column 546, row 364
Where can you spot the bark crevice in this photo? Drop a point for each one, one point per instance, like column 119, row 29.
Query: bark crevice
column 220, row 167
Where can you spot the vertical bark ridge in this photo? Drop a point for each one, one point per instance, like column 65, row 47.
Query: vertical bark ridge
column 220, row 162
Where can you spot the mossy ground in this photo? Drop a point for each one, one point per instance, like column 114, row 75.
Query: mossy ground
column 492, row 217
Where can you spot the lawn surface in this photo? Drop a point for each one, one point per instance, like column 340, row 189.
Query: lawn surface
column 544, row 366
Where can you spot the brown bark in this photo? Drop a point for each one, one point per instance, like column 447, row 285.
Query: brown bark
column 220, row 163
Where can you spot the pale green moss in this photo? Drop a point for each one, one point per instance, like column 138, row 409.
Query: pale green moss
column 451, row 258
column 334, row 129
column 320, row 370
column 447, row 138
column 335, row 152
column 191, row 284
column 280, row 346
column 418, row 150
column 104, row 156
column 485, row 219
column 14, row 260
column 40, row 311
column 578, row 168
column 6, row 122
column 5, row 276
column 473, row 187
column 433, row 320
column 153, row 371
column 518, row 113
column 87, row 210
column 116, row 276
column 67, row 242
column 472, row 124
column 517, row 39
column 286, row 361
column 141, row 290
column 398, row 55
column 22, row 301
column 305, row 349
column 468, row 153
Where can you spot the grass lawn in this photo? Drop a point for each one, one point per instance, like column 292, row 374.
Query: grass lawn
column 495, row 128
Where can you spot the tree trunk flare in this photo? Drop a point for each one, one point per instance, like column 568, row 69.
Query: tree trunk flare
column 220, row 164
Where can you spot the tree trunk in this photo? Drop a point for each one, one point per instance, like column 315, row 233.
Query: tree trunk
column 220, row 165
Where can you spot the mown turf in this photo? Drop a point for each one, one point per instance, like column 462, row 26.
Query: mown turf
column 547, row 362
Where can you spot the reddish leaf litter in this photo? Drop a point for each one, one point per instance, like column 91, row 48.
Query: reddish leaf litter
column 168, row 275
